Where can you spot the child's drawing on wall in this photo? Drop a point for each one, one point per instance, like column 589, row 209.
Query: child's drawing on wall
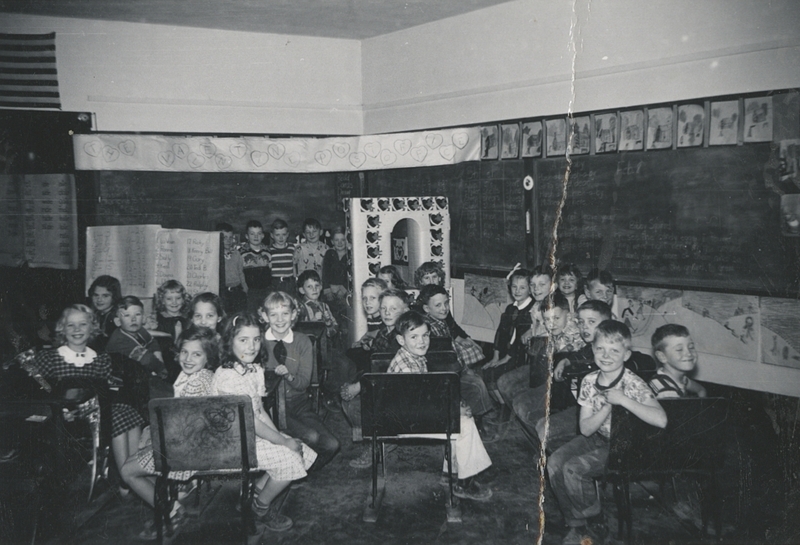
column 631, row 130
column 579, row 135
column 691, row 120
column 532, row 139
column 489, row 142
column 659, row 128
column 556, row 136
column 605, row 133
column 758, row 119
column 724, row 123
column 484, row 300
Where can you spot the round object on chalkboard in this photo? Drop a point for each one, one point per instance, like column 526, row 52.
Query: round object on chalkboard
column 527, row 183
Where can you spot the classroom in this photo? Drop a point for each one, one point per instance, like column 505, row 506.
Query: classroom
column 648, row 148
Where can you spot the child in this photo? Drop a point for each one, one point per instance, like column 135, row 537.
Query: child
column 134, row 341
column 541, row 283
column 600, row 286
column 205, row 310
column 568, row 279
column 371, row 291
column 171, row 302
column 104, row 294
column 73, row 358
column 234, row 294
column 429, row 272
column 390, row 275
column 674, row 349
column 255, row 259
column 311, row 253
column 312, row 309
column 469, row 454
column 284, row 458
column 290, row 356
column 336, row 267
column 198, row 354
column 281, row 253
column 572, row 467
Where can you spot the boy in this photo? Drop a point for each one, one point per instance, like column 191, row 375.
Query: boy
column 290, row 357
column 312, row 309
column 311, row 253
column 132, row 340
column 674, row 349
column 469, row 455
column 234, row 296
column 600, row 287
column 572, row 467
column 281, row 253
column 255, row 257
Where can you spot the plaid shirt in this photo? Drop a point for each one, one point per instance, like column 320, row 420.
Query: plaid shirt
column 438, row 327
column 405, row 362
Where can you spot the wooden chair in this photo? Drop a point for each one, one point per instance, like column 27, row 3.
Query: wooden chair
column 692, row 443
column 210, row 436
column 403, row 407
column 316, row 332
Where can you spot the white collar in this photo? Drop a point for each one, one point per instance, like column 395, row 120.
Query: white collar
column 523, row 304
column 78, row 359
column 288, row 339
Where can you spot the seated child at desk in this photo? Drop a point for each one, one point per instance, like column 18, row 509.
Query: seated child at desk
column 131, row 339
column 284, row 458
column 172, row 303
column 569, row 280
column 599, row 286
column 573, row 467
column 469, row 455
column 73, row 358
column 311, row 308
column 290, row 356
column 674, row 349
column 104, row 295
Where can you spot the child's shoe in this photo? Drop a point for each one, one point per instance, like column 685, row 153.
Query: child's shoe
column 470, row 489
column 270, row 517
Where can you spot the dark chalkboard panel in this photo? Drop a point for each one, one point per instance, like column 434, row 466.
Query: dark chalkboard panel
column 487, row 207
column 701, row 218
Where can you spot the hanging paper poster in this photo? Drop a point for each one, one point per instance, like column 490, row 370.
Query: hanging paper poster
column 631, row 130
column 691, row 121
column 659, row 128
column 758, row 119
column 605, row 133
column 724, row 125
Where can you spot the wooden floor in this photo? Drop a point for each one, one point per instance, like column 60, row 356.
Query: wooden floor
column 759, row 507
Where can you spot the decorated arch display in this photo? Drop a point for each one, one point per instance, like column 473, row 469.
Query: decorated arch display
column 370, row 223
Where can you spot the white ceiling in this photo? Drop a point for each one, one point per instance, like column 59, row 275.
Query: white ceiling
column 355, row 19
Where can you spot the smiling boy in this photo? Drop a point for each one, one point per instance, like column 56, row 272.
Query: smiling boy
column 311, row 253
column 131, row 339
column 674, row 349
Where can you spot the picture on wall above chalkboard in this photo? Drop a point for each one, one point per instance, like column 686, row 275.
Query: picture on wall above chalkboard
column 579, row 135
column 631, row 124
column 724, row 126
column 556, row 135
column 758, row 119
column 509, row 141
column 605, row 133
column 490, row 144
column 659, row 128
column 691, row 122
column 532, row 139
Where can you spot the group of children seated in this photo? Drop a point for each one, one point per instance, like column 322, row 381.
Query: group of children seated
column 569, row 328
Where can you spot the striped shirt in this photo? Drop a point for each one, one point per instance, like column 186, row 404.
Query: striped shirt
column 282, row 261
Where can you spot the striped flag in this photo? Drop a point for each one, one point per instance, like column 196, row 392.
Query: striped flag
column 28, row 76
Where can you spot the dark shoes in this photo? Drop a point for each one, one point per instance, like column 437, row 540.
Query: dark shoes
column 270, row 517
column 470, row 489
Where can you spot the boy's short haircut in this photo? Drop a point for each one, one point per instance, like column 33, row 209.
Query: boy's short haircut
column 255, row 224
column 374, row 282
column 429, row 291
column 408, row 321
column 226, row 227
column 306, row 275
column 312, row 222
column 129, row 301
column 429, row 267
column 614, row 331
column 542, row 270
column 600, row 307
column 394, row 292
column 279, row 224
column 278, row 299
column 601, row 275
column 518, row 273
column 338, row 230
column 669, row 330
column 556, row 300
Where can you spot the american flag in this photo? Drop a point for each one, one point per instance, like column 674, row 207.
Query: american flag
column 28, row 76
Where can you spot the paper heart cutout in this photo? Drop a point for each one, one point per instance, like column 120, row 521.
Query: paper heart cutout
column 419, row 153
column 357, row 159
column 448, row 152
column 259, row 158
column 374, row 268
column 293, row 159
column 436, row 234
column 166, row 158
column 427, row 203
column 276, row 150
column 93, row 148
column 435, row 219
column 374, row 221
column 110, row 154
column 383, row 204
column 127, row 147
column 387, row 157
column 437, row 250
column 180, row 150
column 341, row 149
column 434, row 140
column 366, row 205
column 373, row 149
column 402, row 146
column 460, row 139
column 238, row 150
column 195, row 160
column 441, row 202
column 223, row 161
column 323, row 157
column 373, row 237
column 208, row 149
column 413, row 203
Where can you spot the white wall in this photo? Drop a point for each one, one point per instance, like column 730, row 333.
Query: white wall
column 158, row 78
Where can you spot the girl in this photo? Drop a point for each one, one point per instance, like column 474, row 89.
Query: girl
column 73, row 358
column 284, row 458
column 104, row 294
column 391, row 276
column 541, row 283
column 171, row 302
column 205, row 310
column 198, row 353
column 569, row 280
column 429, row 272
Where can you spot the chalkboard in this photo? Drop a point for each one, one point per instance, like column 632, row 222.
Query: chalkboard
column 487, row 207
column 706, row 218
